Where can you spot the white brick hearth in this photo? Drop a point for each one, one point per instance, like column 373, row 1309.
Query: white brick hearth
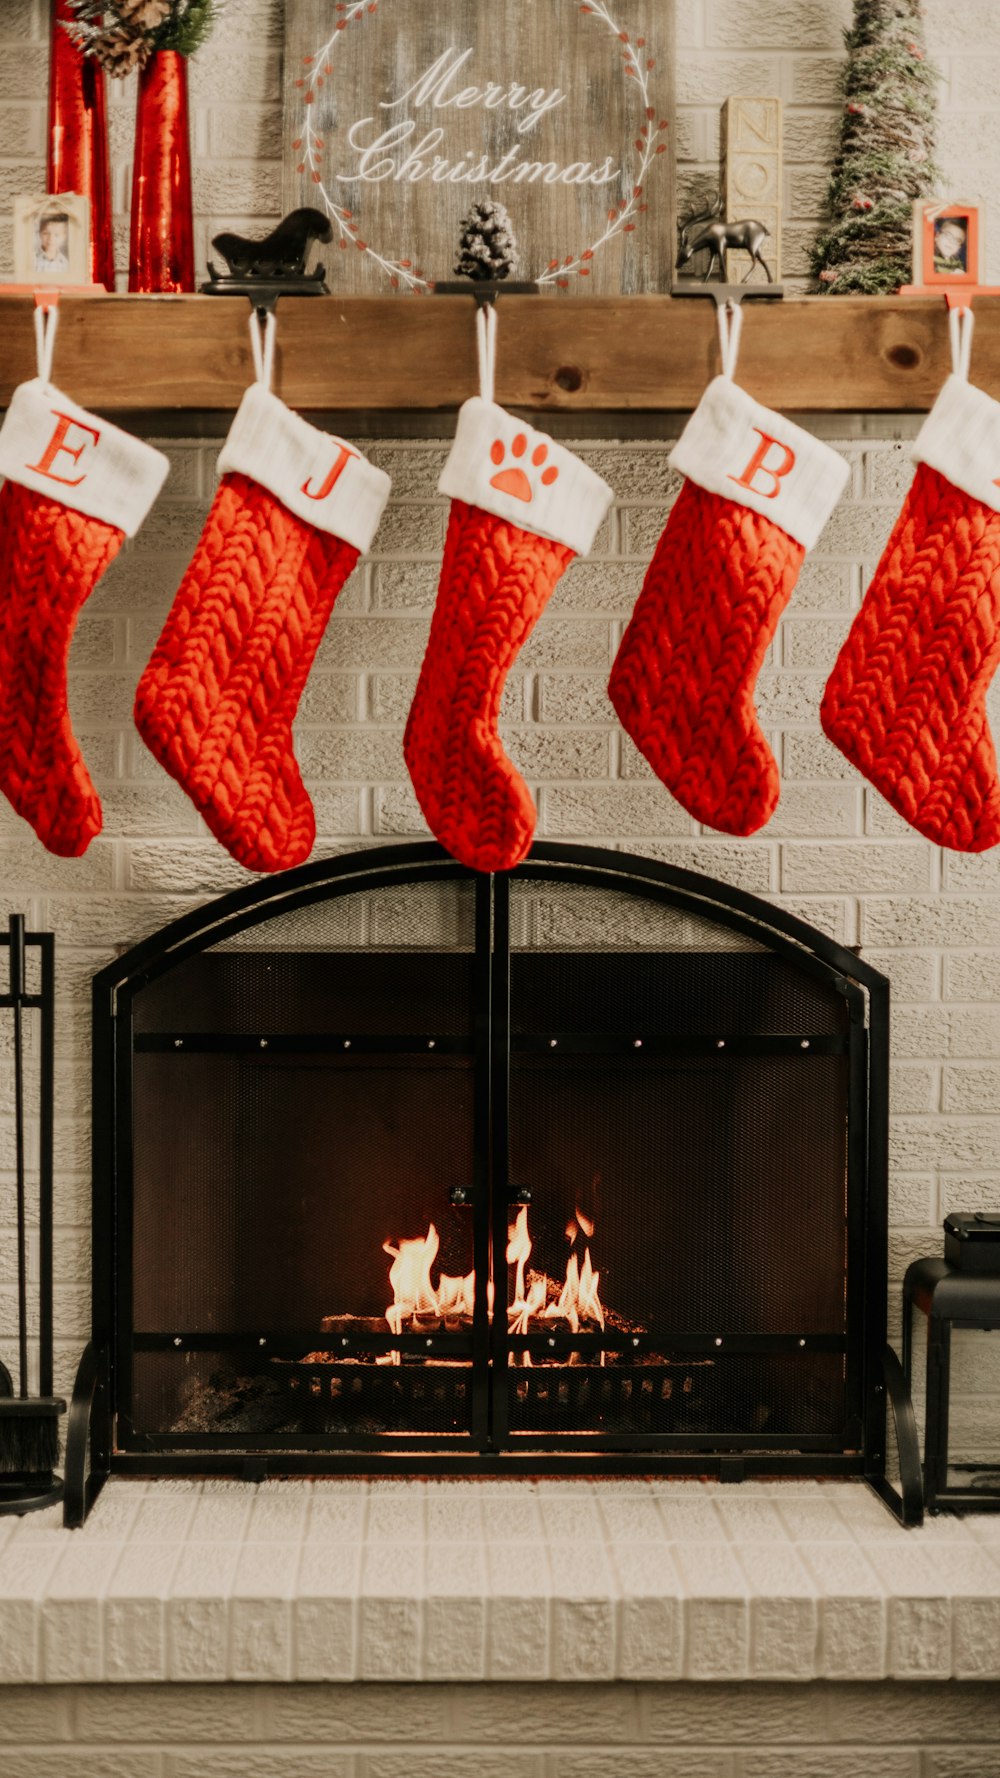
column 512, row 1581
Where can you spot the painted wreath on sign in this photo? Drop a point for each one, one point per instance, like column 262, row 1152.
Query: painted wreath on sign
column 404, row 273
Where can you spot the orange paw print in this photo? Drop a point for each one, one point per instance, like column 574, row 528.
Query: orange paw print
column 514, row 480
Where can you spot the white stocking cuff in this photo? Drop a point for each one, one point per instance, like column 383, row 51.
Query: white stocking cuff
column 960, row 438
column 735, row 447
column 64, row 453
column 319, row 477
column 505, row 467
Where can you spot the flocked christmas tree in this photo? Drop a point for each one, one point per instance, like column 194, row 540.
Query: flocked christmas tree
column 885, row 159
column 487, row 248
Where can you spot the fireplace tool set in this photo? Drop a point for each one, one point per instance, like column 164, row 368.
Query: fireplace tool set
column 29, row 1422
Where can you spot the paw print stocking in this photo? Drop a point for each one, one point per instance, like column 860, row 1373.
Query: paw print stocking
column 521, row 508
column 756, row 495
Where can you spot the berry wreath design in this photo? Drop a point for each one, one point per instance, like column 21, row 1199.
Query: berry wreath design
column 403, row 273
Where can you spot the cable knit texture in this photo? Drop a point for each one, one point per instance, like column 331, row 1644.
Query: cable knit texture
column 495, row 582
column 684, row 677
column 50, row 560
column 906, row 701
column 216, row 703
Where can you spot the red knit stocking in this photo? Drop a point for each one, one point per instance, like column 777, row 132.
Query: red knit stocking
column 906, row 700
column 495, row 583
column 757, row 494
column 522, row 507
column 76, row 487
column 217, row 701
column 684, row 678
column 50, row 560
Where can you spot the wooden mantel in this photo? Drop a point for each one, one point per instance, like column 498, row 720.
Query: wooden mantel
column 578, row 354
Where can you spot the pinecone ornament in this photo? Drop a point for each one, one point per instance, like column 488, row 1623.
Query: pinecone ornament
column 143, row 15
column 488, row 247
column 119, row 51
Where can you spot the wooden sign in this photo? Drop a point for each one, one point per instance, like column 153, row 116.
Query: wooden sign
column 401, row 114
column 751, row 178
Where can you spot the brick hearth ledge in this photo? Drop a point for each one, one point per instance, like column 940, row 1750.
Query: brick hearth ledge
column 513, row 1581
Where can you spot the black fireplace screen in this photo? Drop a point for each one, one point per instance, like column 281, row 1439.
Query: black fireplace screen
column 399, row 1166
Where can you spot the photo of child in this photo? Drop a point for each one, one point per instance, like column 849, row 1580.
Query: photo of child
column 52, row 242
column 51, row 239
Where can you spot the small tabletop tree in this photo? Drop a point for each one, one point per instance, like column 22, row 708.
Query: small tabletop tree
column 885, row 158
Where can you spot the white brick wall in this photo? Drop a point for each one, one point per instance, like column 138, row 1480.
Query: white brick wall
column 834, row 853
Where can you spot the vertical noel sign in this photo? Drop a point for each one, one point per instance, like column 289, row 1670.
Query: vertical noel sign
column 400, row 116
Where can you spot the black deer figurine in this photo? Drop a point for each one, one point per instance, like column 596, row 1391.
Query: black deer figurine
column 722, row 237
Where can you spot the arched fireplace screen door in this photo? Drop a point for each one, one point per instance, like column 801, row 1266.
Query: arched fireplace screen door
column 397, row 1167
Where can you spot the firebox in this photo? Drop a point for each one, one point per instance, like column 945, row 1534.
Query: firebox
column 401, row 1168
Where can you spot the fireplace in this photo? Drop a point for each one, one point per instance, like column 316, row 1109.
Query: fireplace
column 399, row 1168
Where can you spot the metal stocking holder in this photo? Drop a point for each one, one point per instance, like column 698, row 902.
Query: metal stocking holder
column 485, row 291
column 726, row 295
column 275, row 266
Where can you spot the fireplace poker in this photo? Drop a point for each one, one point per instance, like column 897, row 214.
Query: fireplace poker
column 29, row 1425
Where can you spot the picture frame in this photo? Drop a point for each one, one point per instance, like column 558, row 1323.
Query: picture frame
column 51, row 239
column 947, row 243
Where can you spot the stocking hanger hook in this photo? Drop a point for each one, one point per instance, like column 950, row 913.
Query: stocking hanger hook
column 263, row 327
column 730, row 319
column 961, row 322
column 486, row 343
column 46, row 322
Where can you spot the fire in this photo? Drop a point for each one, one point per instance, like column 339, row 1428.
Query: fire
column 417, row 1299
column 579, row 1300
column 413, row 1292
column 519, row 1250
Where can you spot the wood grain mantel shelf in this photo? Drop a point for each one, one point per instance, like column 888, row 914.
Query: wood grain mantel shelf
column 576, row 355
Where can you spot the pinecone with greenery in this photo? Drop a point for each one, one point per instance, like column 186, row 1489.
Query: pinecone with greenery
column 885, row 159
column 123, row 34
column 487, row 248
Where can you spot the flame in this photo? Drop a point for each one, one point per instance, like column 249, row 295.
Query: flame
column 415, row 1296
column 413, row 1292
column 579, row 1299
column 519, row 1249
column 520, row 1311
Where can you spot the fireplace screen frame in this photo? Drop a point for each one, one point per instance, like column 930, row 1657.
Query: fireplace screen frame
column 103, row 1396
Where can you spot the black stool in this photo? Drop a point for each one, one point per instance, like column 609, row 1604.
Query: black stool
column 949, row 1298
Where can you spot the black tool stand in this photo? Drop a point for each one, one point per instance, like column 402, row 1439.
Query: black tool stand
column 949, row 1298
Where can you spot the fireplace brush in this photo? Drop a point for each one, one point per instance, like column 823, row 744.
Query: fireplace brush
column 29, row 1424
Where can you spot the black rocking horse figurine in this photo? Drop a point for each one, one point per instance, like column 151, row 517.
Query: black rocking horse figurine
column 722, row 237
